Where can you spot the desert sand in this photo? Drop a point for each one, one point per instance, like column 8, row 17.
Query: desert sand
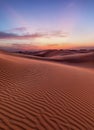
column 40, row 95
column 69, row 57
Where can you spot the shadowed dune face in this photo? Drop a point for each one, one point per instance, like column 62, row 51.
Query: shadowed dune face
column 81, row 60
column 36, row 95
column 76, row 57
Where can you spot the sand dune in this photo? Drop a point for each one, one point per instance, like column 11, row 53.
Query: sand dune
column 76, row 58
column 72, row 57
column 56, row 52
column 85, row 60
column 36, row 95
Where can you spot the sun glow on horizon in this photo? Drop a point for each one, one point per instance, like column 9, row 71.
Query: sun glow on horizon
column 47, row 24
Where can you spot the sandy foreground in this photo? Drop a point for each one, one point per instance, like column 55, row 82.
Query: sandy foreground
column 40, row 95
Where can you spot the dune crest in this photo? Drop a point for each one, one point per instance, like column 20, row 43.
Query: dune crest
column 36, row 95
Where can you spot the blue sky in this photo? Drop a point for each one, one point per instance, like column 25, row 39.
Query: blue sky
column 64, row 23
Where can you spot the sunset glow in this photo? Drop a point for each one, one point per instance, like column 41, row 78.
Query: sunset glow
column 47, row 24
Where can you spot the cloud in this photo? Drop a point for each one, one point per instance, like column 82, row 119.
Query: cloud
column 23, row 46
column 4, row 35
column 14, row 36
column 19, row 47
column 52, row 34
column 59, row 34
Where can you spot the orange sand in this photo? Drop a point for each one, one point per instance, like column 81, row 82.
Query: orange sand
column 39, row 95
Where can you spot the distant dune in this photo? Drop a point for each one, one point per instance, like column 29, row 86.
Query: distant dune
column 55, row 52
column 81, row 58
column 37, row 95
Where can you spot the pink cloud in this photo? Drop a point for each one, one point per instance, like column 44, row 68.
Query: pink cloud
column 5, row 35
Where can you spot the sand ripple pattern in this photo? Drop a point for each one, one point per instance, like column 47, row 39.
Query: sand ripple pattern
column 36, row 95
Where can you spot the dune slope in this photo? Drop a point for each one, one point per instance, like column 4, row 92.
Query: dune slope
column 36, row 95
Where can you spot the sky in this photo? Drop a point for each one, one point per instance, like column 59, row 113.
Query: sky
column 46, row 24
